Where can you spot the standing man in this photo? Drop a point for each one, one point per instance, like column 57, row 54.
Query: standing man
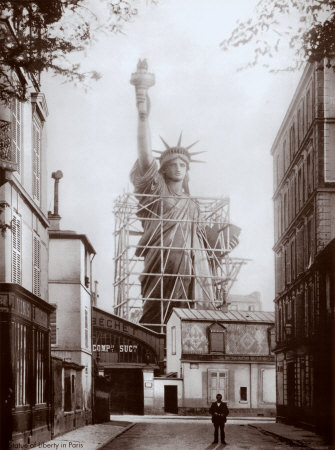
column 219, row 411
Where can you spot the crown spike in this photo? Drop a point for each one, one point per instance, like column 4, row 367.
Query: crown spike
column 197, row 153
column 158, row 151
column 179, row 141
column 197, row 161
column 187, row 148
column 166, row 145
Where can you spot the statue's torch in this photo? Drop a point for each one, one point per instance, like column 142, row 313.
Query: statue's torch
column 142, row 80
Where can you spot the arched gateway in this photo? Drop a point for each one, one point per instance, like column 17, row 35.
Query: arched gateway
column 125, row 356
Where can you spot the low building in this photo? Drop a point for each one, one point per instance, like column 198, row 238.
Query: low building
column 127, row 357
column 70, row 280
column 249, row 302
column 210, row 352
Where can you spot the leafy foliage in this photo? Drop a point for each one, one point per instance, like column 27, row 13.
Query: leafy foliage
column 39, row 35
column 306, row 26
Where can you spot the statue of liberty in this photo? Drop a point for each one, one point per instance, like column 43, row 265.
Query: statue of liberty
column 176, row 246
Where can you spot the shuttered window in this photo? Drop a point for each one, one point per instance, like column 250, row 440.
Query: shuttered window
column 53, row 326
column 36, row 265
column 36, row 160
column 17, row 138
column 21, row 363
column 216, row 334
column 41, row 352
column 86, row 328
column 217, row 384
column 16, row 249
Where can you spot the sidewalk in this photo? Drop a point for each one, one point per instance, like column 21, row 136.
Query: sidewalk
column 293, row 435
column 90, row 437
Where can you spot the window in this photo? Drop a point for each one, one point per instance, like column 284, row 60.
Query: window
column 87, row 269
column 173, row 340
column 300, row 251
column 243, row 394
column 251, row 308
column 216, row 338
column 292, row 142
column 285, row 157
column 217, row 384
column 21, row 363
column 310, row 173
column 53, row 326
column 17, row 127
column 309, row 108
column 300, row 188
column 36, row 159
column 16, row 249
column 67, row 391
column 293, row 260
column 86, row 328
column 41, row 351
column 308, row 248
column 36, row 266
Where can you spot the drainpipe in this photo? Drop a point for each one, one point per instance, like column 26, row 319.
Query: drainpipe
column 250, row 395
column 92, row 362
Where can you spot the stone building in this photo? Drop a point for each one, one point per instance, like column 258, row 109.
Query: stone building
column 70, row 292
column 304, row 204
column 249, row 302
column 210, row 352
column 24, row 312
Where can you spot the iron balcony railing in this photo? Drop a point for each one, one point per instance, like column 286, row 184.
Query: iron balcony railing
column 7, row 157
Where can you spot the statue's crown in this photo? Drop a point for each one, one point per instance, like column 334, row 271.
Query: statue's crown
column 178, row 151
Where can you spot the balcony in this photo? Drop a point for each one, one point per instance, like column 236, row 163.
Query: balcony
column 7, row 157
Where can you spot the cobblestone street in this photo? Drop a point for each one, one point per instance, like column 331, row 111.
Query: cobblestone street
column 194, row 435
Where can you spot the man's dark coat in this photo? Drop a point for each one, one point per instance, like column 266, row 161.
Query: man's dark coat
column 219, row 413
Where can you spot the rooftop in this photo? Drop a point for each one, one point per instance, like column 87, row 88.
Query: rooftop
column 229, row 316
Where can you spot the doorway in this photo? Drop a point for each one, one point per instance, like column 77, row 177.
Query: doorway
column 171, row 399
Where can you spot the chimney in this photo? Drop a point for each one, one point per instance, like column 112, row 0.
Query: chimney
column 54, row 218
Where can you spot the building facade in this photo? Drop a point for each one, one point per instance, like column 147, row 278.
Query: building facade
column 211, row 352
column 24, row 311
column 70, row 281
column 304, row 204
column 127, row 356
column 249, row 302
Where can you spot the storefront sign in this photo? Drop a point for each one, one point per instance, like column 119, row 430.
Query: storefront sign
column 115, row 348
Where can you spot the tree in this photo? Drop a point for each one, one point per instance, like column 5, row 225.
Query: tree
column 39, row 35
column 306, row 26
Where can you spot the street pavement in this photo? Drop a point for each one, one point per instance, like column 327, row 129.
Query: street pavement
column 185, row 432
column 191, row 435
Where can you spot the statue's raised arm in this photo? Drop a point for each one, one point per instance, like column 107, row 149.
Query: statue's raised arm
column 142, row 80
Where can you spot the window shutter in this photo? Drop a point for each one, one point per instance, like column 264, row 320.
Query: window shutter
column 36, row 160
column 17, row 132
column 217, row 384
column 300, row 250
column 36, row 266
column 212, row 385
column 16, row 249
column 53, row 327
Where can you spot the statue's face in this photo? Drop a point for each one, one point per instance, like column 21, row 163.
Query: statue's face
column 175, row 170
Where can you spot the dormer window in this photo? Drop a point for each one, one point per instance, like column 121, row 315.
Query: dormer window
column 216, row 338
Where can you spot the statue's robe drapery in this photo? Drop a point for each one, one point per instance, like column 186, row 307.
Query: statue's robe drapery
column 173, row 244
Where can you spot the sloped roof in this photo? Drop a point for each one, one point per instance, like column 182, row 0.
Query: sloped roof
column 229, row 316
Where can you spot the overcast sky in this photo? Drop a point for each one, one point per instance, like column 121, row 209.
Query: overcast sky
column 235, row 116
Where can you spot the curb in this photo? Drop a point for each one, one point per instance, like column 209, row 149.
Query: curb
column 290, row 441
column 115, row 436
column 229, row 418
